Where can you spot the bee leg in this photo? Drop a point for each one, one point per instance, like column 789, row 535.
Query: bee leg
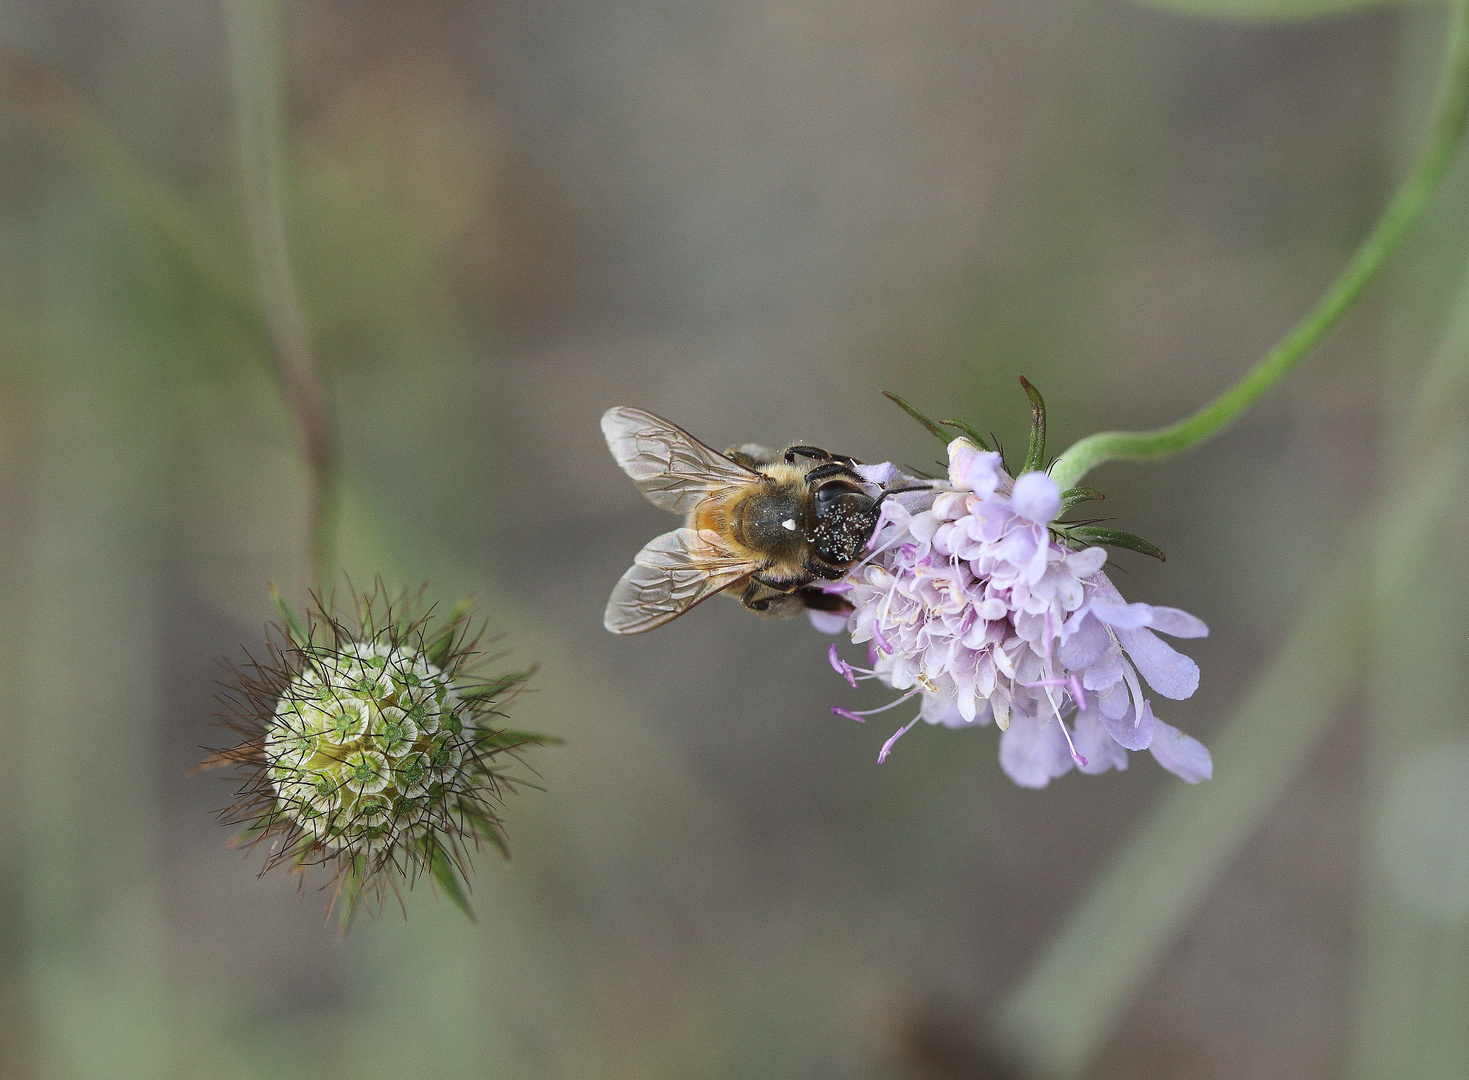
column 771, row 602
column 830, row 469
column 751, row 455
column 813, row 452
column 816, row 453
column 818, row 600
column 825, row 571
column 780, row 585
column 755, row 597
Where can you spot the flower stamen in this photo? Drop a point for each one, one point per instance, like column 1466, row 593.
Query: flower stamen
column 887, row 747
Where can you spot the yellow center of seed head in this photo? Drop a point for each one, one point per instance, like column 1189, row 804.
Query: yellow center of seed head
column 365, row 746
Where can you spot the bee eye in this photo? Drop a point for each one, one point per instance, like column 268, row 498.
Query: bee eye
column 827, row 496
column 844, row 522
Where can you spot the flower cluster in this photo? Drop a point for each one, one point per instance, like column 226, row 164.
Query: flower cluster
column 370, row 748
column 973, row 601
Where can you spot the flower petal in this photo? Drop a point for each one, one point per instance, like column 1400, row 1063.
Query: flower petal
column 1032, row 755
column 828, row 622
column 1176, row 623
column 1121, row 615
column 1181, row 755
column 973, row 469
column 1167, row 620
column 1131, row 730
column 1087, row 643
column 1036, row 497
column 942, row 709
column 1095, row 743
column 1166, row 669
column 1104, row 673
column 923, row 525
column 880, row 474
column 1114, row 701
column 1087, row 561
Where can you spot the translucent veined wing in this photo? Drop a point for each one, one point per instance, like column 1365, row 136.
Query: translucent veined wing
column 672, row 468
column 671, row 574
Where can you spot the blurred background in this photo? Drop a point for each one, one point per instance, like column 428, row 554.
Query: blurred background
column 750, row 218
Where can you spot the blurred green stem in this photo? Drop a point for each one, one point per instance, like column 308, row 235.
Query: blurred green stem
column 1445, row 133
column 256, row 54
column 1058, row 1019
column 1062, row 1013
column 155, row 213
column 159, row 217
column 1410, row 976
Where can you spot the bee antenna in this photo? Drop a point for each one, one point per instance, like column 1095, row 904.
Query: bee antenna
column 901, row 491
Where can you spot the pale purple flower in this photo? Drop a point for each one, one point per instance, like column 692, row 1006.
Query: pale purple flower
column 970, row 602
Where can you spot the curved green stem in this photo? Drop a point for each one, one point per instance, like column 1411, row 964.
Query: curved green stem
column 1445, row 132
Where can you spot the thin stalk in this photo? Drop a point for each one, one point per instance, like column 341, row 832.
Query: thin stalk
column 1445, row 133
column 256, row 52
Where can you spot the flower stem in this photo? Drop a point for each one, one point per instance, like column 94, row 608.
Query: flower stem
column 256, row 52
column 1445, row 132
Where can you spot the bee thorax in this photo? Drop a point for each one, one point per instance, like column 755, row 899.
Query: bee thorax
column 773, row 523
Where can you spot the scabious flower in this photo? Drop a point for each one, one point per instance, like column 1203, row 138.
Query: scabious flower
column 371, row 749
column 973, row 602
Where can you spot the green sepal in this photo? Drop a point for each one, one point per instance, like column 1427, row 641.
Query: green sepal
column 1116, row 538
column 498, row 686
column 303, row 851
column 439, row 646
column 487, row 828
column 1035, row 455
column 349, row 893
column 968, row 432
column 251, row 832
column 937, row 432
column 295, row 632
column 1078, row 495
column 443, row 871
column 508, row 740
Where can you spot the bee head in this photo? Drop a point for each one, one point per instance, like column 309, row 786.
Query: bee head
column 844, row 522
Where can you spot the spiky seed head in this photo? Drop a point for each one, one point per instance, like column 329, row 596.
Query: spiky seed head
column 370, row 747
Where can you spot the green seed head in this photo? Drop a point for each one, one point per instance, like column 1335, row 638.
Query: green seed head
column 360, row 739
column 371, row 747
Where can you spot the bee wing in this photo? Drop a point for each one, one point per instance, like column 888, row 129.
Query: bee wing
column 672, row 468
column 671, row 574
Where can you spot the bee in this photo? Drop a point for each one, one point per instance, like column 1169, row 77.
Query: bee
column 761, row 526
